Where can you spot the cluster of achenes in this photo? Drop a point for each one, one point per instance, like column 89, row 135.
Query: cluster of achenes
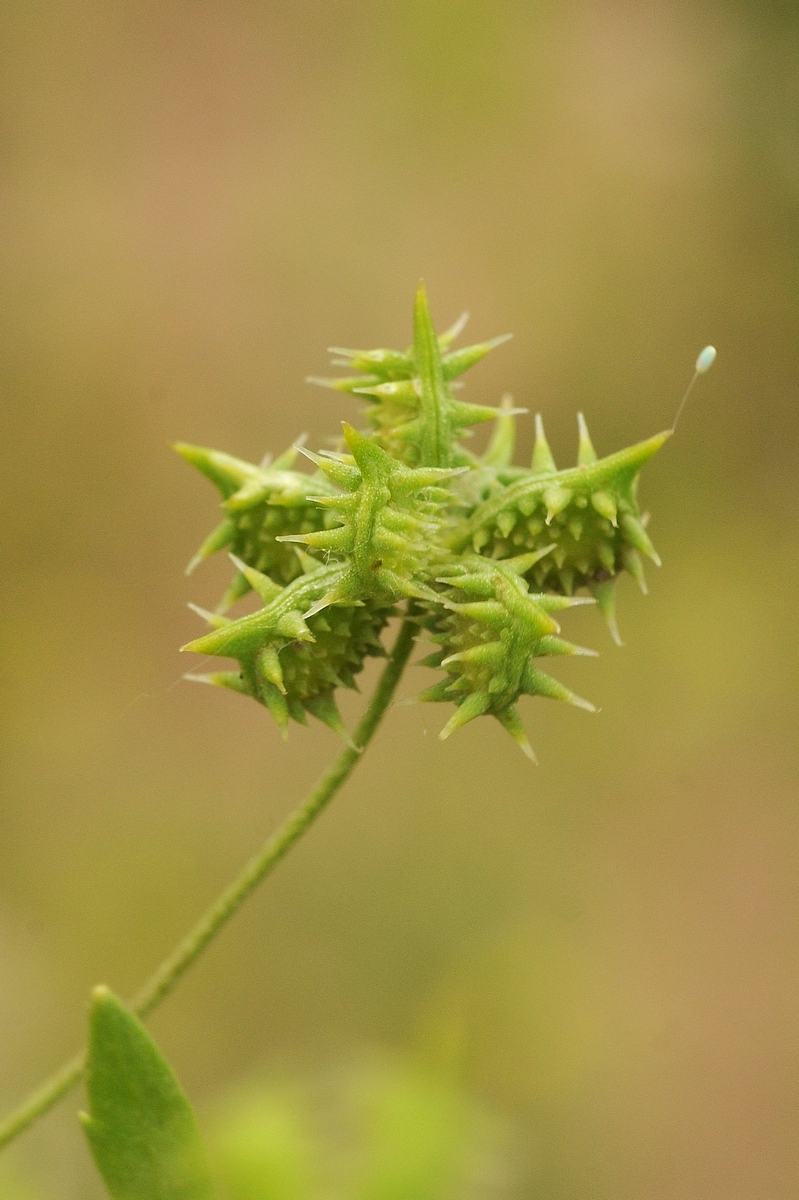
column 480, row 553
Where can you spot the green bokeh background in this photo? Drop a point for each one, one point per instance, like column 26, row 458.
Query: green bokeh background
column 198, row 198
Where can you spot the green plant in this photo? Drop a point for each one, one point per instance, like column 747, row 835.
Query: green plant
column 469, row 552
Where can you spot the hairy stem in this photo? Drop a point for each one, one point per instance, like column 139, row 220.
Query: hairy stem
column 165, row 978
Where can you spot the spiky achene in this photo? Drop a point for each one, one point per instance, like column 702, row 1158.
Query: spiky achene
column 485, row 552
column 589, row 513
column 490, row 632
column 289, row 659
column 412, row 409
column 390, row 524
column 260, row 504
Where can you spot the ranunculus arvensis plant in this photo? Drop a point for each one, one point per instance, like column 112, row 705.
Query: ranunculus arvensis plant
column 471, row 553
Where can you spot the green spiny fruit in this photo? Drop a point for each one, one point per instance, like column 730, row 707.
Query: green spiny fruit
column 291, row 660
column 260, row 504
column 389, row 514
column 490, row 632
column 413, row 411
column 486, row 550
column 588, row 514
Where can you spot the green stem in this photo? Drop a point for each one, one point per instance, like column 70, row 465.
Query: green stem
column 164, row 979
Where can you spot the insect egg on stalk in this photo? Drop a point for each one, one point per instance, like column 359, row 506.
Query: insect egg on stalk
column 704, row 362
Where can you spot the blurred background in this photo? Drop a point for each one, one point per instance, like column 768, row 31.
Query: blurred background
column 198, row 198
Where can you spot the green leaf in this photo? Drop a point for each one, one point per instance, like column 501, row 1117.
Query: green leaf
column 140, row 1126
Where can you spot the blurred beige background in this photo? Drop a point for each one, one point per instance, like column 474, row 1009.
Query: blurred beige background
column 199, row 198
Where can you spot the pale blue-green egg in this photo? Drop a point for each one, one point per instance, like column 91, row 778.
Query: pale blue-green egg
column 706, row 360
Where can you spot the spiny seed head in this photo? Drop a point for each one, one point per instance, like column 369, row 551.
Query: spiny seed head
column 485, row 553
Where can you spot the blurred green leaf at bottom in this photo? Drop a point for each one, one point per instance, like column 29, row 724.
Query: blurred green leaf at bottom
column 140, row 1126
column 382, row 1128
